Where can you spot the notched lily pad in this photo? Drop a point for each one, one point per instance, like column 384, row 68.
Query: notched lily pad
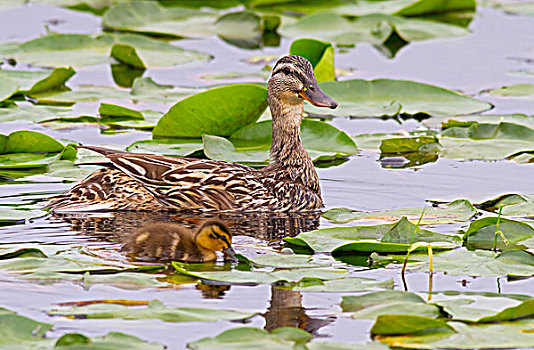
column 319, row 53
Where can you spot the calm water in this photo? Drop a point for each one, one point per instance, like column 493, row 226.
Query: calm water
column 487, row 58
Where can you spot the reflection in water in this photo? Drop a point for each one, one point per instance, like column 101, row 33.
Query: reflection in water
column 212, row 291
column 286, row 310
column 115, row 225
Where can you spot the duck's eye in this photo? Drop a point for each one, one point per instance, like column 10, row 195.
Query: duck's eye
column 286, row 70
column 312, row 88
column 212, row 236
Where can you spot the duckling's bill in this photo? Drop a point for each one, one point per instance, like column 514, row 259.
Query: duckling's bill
column 229, row 253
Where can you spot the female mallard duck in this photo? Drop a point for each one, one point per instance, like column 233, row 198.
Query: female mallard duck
column 166, row 241
column 137, row 181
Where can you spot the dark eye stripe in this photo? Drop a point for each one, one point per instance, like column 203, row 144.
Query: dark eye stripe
column 292, row 73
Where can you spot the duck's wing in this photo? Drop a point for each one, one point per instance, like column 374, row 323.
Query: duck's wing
column 187, row 183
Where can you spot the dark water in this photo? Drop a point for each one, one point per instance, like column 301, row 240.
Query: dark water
column 485, row 59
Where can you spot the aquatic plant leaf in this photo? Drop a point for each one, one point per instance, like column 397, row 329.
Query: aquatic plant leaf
column 389, row 238
column 57, row 49
column 30, row 82
column 515, row 90
column 218, row 111
column 10, row 214
column 372, row 305
column 520, row 8
column 263, row 277
column 409, row 324
column 481, row 309
column 242, row 29
column 26, row 141
column 461, row 262
column 328, row 345
column 387, row 97
column 154, row 310
column 252, row 143
column 319, row 53
column 459, row 210
column 462, row 336
column 19, row 332
column 126, row 54
column 290, row 261
column 481, row 234
column 342, row 285
column 254, row 338
column 373, row 28
column 512, row 205
column 167, row 147
column 150, row 18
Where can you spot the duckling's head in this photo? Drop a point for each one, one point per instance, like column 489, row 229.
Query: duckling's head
column 293, row 81
column 215, row 236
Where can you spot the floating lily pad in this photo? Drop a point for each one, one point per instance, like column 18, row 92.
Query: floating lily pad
column 435, row 334
column 319, row 53
column 150, row 18
column 167, row 147
column 347, row 284
column 219, row 111
column 263, row 277
column 456, row 211
column 372, row 305
column 82, row 50
column 391, row 238
column 373, row 28
column 254, row 338
column 516, row 90
column 252, row 143
column 387, row 97
column 512, row 205
column 462, row 262
column 154, row 310
column 31, row 82
column 18, row 332
column 481, row 234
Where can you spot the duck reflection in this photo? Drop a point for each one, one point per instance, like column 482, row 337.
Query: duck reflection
column 116, row 226
column 286, row 310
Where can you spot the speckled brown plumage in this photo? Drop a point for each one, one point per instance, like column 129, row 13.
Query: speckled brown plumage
column 147, row 182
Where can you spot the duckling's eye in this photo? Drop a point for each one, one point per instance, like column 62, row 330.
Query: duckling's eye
column 212, row 236
column 286, row 70
column 312, row 88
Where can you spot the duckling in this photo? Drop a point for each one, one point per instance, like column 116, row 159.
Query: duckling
column 148, row 182
column 167, row 241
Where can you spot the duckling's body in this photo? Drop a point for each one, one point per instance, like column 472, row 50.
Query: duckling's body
column 147, row 182
column 167, row 241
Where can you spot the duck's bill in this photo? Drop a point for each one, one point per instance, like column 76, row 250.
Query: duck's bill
column 317, row 97
column 229, row 254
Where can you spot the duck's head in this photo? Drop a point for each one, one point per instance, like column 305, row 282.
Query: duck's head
column 292, row 81
column 215, row 236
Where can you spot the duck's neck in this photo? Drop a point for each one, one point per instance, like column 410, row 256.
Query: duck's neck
column 287, row 148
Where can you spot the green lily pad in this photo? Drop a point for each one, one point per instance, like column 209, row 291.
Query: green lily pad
column 13, row 214
column 219, row 111
column 372, row 305
column 409, row 324
column 82, row 50
column 242, row 29
column 391, row 238
column 252, row 143
column 373, row 28
column 26, row 141
column 263, row 277
column 479, row 309
column 387, row 97
column 167, row 147
column 481, row 234
column 516, row 90
column 19, row 332
column 512, row 205
column 459, row 210
column 343, row 285
column 150, row 18
column 154, row 310
column 32, row 82
column 126, row 54
column 462, row 262
column 319, row 53
column 254, row 338
column 458, row 335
